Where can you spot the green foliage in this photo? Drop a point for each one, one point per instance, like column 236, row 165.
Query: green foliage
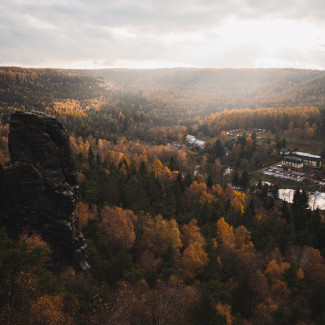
column 205, row 312
column 243, row 296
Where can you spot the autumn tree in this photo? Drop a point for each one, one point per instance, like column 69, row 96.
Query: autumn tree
column 85, row 213
column 49, row 310
column 159, row 234
column 194, row 258
column 117, row 227
column 157, row 167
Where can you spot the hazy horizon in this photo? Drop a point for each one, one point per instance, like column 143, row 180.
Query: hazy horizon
column 155, row 68
column 150, row 34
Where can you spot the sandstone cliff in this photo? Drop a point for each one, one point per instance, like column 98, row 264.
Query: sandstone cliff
column 39, row 190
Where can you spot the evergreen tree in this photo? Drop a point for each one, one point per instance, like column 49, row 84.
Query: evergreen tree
column 209, row 182
column 205, row 312
column 218, row 150
column 173, row 165
column 244, row 179
column 235, row 179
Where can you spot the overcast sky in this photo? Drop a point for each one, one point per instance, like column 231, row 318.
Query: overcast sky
column 163, row 33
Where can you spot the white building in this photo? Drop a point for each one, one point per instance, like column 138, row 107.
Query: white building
column 308, row 159
column 292, row 163
column 193, row 142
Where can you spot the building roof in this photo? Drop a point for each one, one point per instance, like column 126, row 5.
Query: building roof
column 284, row 150
column 199, row 142
column 193, row 140
column 306, row 155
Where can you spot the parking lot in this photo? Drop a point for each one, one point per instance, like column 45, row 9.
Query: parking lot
column 319, row 183
column 283, row 174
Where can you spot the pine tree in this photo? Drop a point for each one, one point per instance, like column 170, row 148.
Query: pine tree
column 235, row 179
column 244, row 179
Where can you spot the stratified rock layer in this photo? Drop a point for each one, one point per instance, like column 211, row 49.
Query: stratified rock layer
column 39, row 191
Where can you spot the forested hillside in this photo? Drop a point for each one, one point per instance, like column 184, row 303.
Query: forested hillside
column 213, row 90
column 175, row 235
column 34, row 88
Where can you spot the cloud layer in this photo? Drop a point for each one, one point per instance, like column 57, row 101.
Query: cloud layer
column 155, row 33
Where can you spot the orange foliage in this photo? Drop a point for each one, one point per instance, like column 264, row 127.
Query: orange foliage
column 246, row 118
column 35, row 240
column 238, row 201
column 238, row 241
column 117, row 227
column 194, row 258
column 84, row 213
column 159, row 233
column 49, row 310
column 198, row 192
column 225, row 233
column 275, row 270
column 157, row 167
column 225, row 310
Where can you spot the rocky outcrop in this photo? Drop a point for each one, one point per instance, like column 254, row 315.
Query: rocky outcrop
column 39, row 190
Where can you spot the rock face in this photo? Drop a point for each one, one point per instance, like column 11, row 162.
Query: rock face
column 39, row 191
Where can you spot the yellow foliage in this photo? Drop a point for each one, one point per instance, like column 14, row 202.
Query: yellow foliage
column 207, row 198
column 74, row 147
column 225, row 310
column 191, row 234
column 275, row 270
column 165, row 176
column 194, row 260
column 239, row 240
column 244, row 245
column 69, row 107
column 280, row 289
column 217, row 189
column 123, row 163
column 214, row 243
column 238, row 201
column 35, row 240
column 117, row 227
column 68, row 275
column 49, row 310
column 198, row 192
column 175, row 175
column 80, row 177
column 159, row 233
column 121, row 117
column 200, row 179
column 157, row 167
column 259, row 217
column 225, row 233
column 249, row 145
column 84, row 213
column 300, row 274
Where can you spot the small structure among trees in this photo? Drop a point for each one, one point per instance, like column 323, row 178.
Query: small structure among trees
column 292, row 163
column 194, row 143
column 300, row 160
column 308, row 159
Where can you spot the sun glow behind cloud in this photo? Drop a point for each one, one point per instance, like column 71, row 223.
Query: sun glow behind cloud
column 273, row 43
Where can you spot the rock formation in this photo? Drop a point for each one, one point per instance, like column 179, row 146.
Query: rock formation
column 38, row 192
